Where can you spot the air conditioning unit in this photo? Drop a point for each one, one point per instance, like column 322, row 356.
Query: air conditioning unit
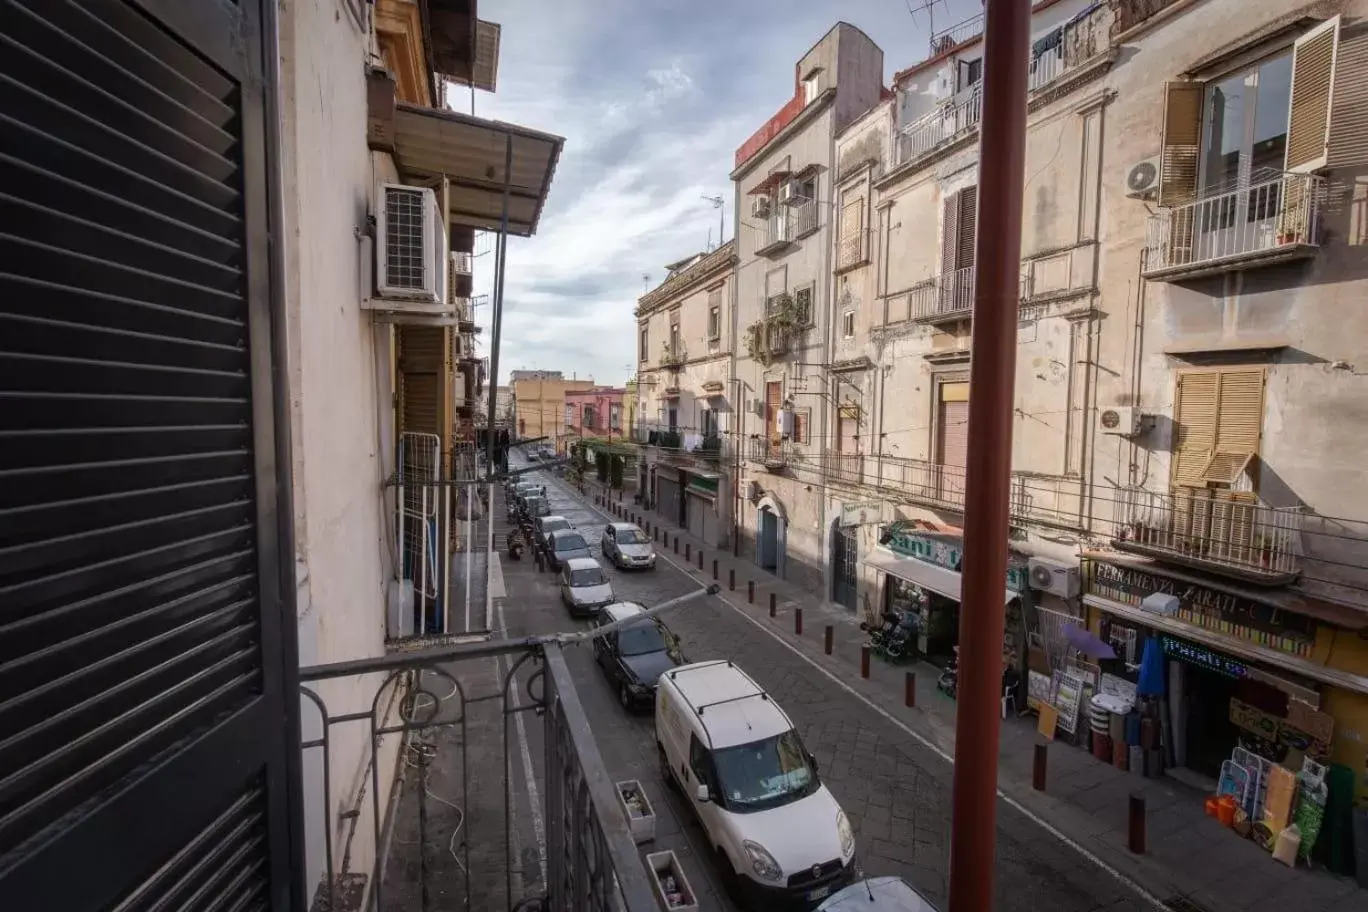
column 788, row 193
column 1121, row 420
column 411, row 262
column 1054, row 577
column 760, row 207
column 1142, row 178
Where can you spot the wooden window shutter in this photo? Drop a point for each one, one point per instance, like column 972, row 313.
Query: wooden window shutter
column 968, row 219
column 1239, row 425
column 1313, row 77
column 1182, row 142
column 949, row 234
column 852, row 217
column 1194, row 416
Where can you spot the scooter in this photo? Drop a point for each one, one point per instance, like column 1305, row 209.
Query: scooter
column 515, row 546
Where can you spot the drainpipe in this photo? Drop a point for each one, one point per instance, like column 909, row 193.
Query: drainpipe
column 1002, row 154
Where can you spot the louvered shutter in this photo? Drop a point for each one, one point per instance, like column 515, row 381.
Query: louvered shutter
column 968, row 221
column 1194, row 417
column 1313, row 75
column 420, row 363
column 148, row 720
column 1239, row 424
column 1182, row 143
column 950, row 213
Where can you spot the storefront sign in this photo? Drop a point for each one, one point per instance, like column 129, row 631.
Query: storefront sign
column 1210, row 609
column 1254, row 720
column 949, row 554
column 862, row 514
column 1202, row 657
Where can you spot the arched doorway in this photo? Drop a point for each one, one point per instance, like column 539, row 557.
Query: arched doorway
column 845, row 559
column 771, row 531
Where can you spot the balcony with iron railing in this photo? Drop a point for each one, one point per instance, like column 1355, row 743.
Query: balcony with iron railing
column 1066, row 49
column 1130, row 13
column 948, row 123
column 673, row 355
column 712, row 447
column 773, row 454
column 775, row 233
column 944, row 297
column 1273, row 220
column 1222, row 531
column 949, row 38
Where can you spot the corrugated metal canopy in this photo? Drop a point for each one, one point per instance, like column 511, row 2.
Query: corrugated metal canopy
column 429, row 143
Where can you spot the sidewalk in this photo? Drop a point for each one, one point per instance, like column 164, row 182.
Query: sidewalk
column 1192, row 864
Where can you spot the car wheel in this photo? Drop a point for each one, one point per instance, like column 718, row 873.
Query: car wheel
column 731, row 880
column 624, row 696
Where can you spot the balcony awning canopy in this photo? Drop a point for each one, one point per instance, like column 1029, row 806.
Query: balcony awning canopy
column 470, row 153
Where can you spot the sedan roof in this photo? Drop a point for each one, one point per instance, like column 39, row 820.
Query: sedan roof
column 625, row 526
column 582, row 563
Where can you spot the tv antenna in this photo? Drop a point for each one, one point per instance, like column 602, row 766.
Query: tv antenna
column 717, row 202
column 645, row 282
column 928, row 7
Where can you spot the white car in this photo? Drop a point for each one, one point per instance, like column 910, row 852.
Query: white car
column 627, row 546
column 584, row 586
column 779, row 834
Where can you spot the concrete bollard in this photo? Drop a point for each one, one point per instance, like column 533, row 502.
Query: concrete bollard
column 864, row 661
column 828, row 635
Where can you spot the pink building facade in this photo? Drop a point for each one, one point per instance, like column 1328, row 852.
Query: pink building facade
column 595, row 412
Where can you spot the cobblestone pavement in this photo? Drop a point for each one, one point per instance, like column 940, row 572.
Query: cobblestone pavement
column 895, row 790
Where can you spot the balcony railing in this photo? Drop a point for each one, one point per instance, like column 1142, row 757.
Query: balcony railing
column 1068, row 47
column 773, row 454
column 1215, row 530
column 672, row 356
column 852, row 249
column 1274, row 219
column 710, row 447
column 804, row 217
column 776, row 232
column 957, row 34
column 418, row 712
column 462, row 262
column 943, row 297
column 956, row 118
column 1130, row 13
column 843, row 468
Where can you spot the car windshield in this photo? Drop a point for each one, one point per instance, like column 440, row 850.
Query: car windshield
column 589, row 576
column 571, row 543
column 640, row 639
column 764, row 774
column 631, row 537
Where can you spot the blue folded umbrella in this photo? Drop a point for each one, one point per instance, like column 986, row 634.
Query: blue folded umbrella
column 1152, row 669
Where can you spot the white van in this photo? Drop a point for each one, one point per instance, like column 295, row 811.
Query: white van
column 743, row 768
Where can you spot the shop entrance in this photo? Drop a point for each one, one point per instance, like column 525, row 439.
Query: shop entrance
column 1210, row 734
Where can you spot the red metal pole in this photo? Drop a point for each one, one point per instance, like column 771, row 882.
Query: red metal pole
column 1002, row 154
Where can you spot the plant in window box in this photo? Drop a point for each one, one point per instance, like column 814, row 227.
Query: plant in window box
column 671, row 356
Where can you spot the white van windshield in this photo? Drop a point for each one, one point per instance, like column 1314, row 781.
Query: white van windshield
column 764, row 774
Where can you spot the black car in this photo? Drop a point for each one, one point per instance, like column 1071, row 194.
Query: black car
column 635, row 656
column 564, row 545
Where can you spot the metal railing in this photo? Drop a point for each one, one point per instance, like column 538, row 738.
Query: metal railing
column 711, row 446
column 1270, row 216
column 1215, row 529
column 462, row 262
column 804, row 216
column 418, row 713
column 956, row 34
column 672, row 355
column 946, row 295
column 1071, row 45
column 1130, row 13
column 852, row 249
column 772, row 453
column 844, row 468
column 956, row 118
column 776, row 231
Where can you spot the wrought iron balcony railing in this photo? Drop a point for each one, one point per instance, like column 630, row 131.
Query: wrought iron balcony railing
column 956, row 34
column 943, row 297
column 1222, row 531
column 956, row 118
column 852, row 249
column 1069, row 46
column 773, row 454
column 843, row 468
column 1273, row 219
column 1130, row 13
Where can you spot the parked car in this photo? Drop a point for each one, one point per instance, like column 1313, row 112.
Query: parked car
column 584, row 586
column 548, row 524
column 564, row 545
column 536, row 505
column 626, row 545
column 634, row 657
column 783, row 841
column 877, row 894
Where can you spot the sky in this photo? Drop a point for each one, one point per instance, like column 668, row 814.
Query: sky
column 653, row 97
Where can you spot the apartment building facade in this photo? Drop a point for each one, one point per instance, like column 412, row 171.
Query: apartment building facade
column 685, row 410
column 594, row 412
column 784, row 311
column 539, row 404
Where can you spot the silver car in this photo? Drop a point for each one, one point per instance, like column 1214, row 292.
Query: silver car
column 584, row 587
column 627, row 546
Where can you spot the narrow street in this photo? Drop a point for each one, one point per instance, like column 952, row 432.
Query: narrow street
column 896, row 792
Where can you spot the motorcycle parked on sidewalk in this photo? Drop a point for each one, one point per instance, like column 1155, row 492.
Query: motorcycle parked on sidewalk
column 515, row 545
column 893, row 638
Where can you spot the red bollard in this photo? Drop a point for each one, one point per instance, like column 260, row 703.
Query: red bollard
column 700, row 558
column 1038, row 766
column 714, row 568
column 1136, row 824
column 676, row 544
column 798, row 621
column 731, row 579
column 773, row 603
column 910, row 689
column 827, row 636
column 688, row 551
column 750, row 592
column 864, row 661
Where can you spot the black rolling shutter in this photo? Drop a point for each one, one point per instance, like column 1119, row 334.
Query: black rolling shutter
column 144, row 726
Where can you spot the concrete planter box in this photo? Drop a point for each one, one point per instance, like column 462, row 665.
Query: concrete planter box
column 663, row 867
column 641, row 817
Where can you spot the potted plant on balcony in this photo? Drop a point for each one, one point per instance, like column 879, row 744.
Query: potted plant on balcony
column 770, row 336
